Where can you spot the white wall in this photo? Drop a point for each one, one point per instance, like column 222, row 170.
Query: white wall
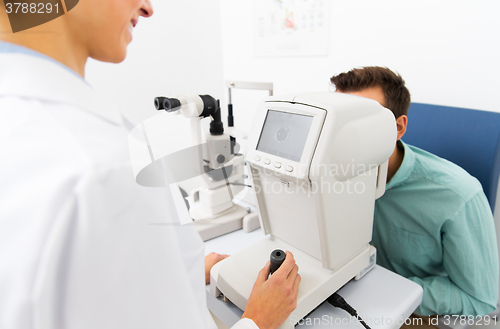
column 446, row 50
column 177, row 50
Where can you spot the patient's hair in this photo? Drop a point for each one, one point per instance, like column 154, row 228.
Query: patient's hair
column 397, row 96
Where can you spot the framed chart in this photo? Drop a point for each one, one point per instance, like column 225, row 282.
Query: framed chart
column 291, row 27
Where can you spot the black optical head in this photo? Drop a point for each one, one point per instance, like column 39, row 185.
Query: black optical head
column 159, row 103
column 171, row 104
column 167, row 104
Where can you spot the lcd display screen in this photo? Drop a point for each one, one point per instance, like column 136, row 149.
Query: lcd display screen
column 285, row 134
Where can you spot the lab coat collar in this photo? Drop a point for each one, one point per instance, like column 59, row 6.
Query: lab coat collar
column 405, row 169
column 32, row 77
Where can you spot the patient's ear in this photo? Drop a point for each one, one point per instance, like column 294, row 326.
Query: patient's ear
column 401, row 124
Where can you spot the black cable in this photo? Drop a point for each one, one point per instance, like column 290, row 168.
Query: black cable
column 239, row 184
column 227, row 182
column 337, row 301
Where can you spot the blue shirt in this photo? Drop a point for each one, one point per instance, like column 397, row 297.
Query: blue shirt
column 434, row 226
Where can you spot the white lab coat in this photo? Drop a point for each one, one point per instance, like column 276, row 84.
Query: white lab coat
column 81, row 244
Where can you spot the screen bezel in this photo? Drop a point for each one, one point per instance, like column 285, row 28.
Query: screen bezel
column 301, row 168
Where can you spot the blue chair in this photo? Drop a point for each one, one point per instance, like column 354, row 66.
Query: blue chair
column 469, row 138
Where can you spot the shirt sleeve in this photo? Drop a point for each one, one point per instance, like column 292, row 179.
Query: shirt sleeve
column 470, row 257
column 245, row 324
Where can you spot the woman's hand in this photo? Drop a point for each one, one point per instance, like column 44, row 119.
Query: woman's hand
column 274, row 298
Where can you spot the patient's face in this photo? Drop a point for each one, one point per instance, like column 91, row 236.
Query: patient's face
column 104, row 27
column 374, row 93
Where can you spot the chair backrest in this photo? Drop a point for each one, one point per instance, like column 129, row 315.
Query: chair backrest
column 468, row 138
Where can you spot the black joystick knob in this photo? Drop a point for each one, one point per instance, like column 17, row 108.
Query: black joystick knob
column 277, row 258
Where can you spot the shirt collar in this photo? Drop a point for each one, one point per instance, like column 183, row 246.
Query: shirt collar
column 405, row 169
column 35, row 77
column 11, row 48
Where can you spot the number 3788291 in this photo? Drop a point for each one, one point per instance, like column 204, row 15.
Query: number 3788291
column 31, row 8
column 469, row 320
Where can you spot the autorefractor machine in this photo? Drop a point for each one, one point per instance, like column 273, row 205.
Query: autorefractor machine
column 318, row 162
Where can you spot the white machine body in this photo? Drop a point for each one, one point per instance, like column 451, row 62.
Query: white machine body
column 318, row 162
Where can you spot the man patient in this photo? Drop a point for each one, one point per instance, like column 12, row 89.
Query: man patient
column 433, row 225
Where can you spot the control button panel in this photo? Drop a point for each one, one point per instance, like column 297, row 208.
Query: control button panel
column 275, row 163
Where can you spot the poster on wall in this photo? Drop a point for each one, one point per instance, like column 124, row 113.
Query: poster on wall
column 291, row 27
